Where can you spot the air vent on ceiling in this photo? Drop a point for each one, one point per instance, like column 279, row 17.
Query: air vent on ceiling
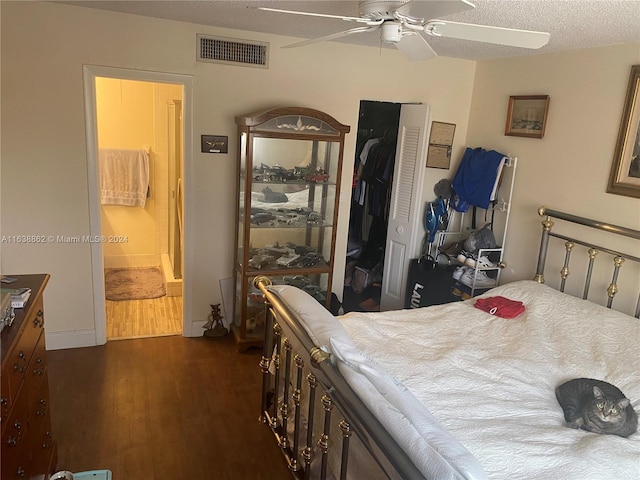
column 232, row 51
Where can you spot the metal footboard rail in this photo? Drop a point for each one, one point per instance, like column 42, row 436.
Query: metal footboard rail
column 282, row 329
column 593, row 250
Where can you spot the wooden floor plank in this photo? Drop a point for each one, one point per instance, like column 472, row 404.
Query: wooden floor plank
column 165, row 407
column 144, row 318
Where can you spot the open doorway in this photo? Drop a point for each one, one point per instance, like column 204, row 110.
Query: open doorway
column 373, row 168
column 135, row 120
column 139, row 127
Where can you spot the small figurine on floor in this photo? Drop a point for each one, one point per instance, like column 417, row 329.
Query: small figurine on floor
column 214, row 326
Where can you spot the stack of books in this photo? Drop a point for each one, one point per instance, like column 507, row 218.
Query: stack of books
column 19, row 296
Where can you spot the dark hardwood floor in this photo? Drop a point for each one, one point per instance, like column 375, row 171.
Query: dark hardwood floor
column 162, row 408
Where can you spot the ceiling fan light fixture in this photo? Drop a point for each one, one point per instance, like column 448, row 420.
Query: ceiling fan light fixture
column 391, row 32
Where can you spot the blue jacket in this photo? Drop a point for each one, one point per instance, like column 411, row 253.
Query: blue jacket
column 476, row 177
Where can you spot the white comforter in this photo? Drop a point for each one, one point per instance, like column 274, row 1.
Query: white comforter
column 490, row 381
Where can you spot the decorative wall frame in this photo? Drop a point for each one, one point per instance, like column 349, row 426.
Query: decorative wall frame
column 527, row 116
column 214, row 144
column 440, row 144
column 624, row 178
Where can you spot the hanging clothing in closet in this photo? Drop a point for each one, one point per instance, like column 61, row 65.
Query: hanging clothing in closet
column 372, row 193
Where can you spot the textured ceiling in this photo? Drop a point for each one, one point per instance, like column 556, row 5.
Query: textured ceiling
column 572, row 24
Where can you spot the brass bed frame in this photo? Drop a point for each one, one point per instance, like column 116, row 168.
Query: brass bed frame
column 592, row 252
column 302, row 389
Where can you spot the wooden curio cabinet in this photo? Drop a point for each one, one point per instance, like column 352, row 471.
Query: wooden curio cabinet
column 290, row 164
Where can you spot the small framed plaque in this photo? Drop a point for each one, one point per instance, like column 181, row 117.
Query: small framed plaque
column 214, row 144
column 440, row 144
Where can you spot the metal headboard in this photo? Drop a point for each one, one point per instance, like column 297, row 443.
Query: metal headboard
column 618, row 257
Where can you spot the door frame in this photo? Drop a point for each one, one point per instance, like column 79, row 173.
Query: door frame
column 90, row 72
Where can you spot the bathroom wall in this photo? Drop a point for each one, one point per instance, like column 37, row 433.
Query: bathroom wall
column 132, row 115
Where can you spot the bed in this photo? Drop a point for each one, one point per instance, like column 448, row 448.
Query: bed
column 451, row 391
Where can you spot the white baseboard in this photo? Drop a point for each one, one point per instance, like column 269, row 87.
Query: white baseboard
column 196, row 329
column 71, row 339
column 87, row 338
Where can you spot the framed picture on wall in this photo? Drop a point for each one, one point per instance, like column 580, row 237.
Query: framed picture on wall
column 624, row 178
column 527, row 116
column 214, row 144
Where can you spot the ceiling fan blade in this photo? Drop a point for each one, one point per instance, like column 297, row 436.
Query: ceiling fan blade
column 311, row 14
column 483, row 33
column 415, row 47
column 435, row 8
column 333, row 36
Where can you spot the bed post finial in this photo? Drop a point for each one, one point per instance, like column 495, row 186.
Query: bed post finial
column 547, row 224
column 266, row 281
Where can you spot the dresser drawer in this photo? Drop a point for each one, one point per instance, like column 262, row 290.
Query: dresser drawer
column 36, row 370
column 43, row 445
column 15, row 448
column 5, row 397
column 19, row 357
column 39, row 408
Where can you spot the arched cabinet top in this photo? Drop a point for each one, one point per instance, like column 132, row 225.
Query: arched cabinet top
column 294, row 120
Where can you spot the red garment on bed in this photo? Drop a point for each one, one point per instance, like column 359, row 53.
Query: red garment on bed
column 500, row 306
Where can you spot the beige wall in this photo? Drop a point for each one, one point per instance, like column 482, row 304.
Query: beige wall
column 44, row 153
column 569, row 168
column 125, row 118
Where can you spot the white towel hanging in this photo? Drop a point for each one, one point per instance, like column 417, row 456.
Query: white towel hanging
column 124, row 177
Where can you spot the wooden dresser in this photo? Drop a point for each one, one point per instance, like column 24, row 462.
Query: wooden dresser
column 28, row 449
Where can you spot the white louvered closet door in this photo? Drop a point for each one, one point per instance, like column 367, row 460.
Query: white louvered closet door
column 405, row 231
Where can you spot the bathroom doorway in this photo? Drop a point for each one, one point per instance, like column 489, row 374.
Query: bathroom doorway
column 139, row 125
column 139, row 200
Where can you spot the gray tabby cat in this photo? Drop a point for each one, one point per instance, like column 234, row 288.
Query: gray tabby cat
column 596, row 406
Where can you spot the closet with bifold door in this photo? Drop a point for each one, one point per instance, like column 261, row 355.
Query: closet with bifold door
column 384, row 221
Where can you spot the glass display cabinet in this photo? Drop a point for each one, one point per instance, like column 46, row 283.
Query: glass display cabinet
column 290, row 164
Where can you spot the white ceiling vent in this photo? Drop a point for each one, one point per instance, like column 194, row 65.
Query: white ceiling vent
column 233, row 51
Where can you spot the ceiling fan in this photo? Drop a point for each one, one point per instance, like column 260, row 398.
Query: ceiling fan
column 398, row 27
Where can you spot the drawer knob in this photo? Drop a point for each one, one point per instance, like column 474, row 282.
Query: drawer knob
column 41, row 412
column 4, row 401
column 39, row 320
column 22, row 355
column 20, row 472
